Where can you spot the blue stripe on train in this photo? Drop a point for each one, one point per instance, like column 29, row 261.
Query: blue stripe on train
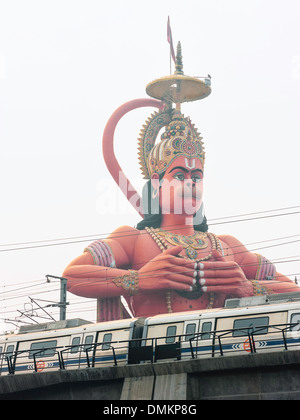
column 69, row 362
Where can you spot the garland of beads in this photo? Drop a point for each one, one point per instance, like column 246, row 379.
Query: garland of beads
column 162, row 244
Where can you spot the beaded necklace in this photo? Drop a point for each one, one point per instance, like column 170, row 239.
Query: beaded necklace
column 199, row 240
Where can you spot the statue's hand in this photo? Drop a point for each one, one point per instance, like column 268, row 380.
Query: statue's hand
column 167, row 271
column 224, row 277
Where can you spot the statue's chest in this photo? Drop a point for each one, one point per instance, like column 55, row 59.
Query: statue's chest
column 195, row 247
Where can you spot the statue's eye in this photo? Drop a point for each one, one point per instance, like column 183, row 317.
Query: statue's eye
column 196, row 178
column 179, row 176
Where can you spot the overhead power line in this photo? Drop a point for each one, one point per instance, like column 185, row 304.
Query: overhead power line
column 255, row 218
column 256, row 212
column 87, row 238
column 141, row 263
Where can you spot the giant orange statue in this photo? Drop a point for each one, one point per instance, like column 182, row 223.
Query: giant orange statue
column 170, row 262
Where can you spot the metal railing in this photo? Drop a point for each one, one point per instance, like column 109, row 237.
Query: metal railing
column 152, row 350
column 220, row 339
column 11, row 358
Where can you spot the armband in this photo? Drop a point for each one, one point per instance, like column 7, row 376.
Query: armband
column 129, row 282
column 101, row 253
column 266, row 270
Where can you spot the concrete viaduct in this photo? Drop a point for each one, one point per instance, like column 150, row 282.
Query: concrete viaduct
column 265, row 376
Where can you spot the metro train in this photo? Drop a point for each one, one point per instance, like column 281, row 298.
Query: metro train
column 247, row 325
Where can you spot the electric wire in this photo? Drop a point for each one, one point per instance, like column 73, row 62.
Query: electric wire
column 149, row 272
column 232, row 247
column 81, row 310
column 246, row 245
column 79, row 239
column 277, row 261
column 269, row 282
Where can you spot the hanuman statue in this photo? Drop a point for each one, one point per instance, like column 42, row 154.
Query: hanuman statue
column 170, row 262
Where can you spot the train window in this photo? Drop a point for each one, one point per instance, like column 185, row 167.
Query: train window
column 190, row 329
column 295, row 319
column 244, row 326
column 43, row 349
column 171, row 331
column 75, row 345
column 9, row 350
column 106, row 341
column 88, row 340
column 1, row 350
column 206, row 328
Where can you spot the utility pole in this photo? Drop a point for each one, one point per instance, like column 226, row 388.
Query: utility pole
column 63, row 296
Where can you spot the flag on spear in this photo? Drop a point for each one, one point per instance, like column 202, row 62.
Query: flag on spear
column 170, row 40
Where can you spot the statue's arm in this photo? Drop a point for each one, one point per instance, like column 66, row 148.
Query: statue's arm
column 257, row 269
column 104, row 269
column 100, row 270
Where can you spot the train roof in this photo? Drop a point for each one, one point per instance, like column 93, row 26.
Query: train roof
column 53, row 325
column 75, row 325
column 253, row 304
column 262, row 300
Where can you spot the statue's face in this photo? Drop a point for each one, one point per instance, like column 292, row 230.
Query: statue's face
column 181, row 189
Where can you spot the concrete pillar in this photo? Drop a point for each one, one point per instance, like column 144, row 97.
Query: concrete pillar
column 138, row 388
column 171, row 387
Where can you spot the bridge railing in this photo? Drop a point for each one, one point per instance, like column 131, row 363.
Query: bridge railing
column 152, row 350
column 233, row 340
column 19, row 357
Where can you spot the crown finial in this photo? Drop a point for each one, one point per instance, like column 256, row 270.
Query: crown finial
column 178, row 63
column 178, row 88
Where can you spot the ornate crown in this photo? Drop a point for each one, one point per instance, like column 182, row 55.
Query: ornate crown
column 180, row 138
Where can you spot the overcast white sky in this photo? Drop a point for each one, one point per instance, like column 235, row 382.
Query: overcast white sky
column 66, row 65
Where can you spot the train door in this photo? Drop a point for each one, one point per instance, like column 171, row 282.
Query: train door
column 8, row 358
column 168, row 341
column 71, row 355
column 293, row 333
column 165, row 339
column 204, row 343
column 190, row 329
column 87, row 349
column 112, row 347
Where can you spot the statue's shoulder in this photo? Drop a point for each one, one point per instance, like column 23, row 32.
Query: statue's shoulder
column 123, row 243
column 232, row 246
column 125, row 233
column 229, row 240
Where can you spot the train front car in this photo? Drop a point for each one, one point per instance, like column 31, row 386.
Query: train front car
column 70, row 344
